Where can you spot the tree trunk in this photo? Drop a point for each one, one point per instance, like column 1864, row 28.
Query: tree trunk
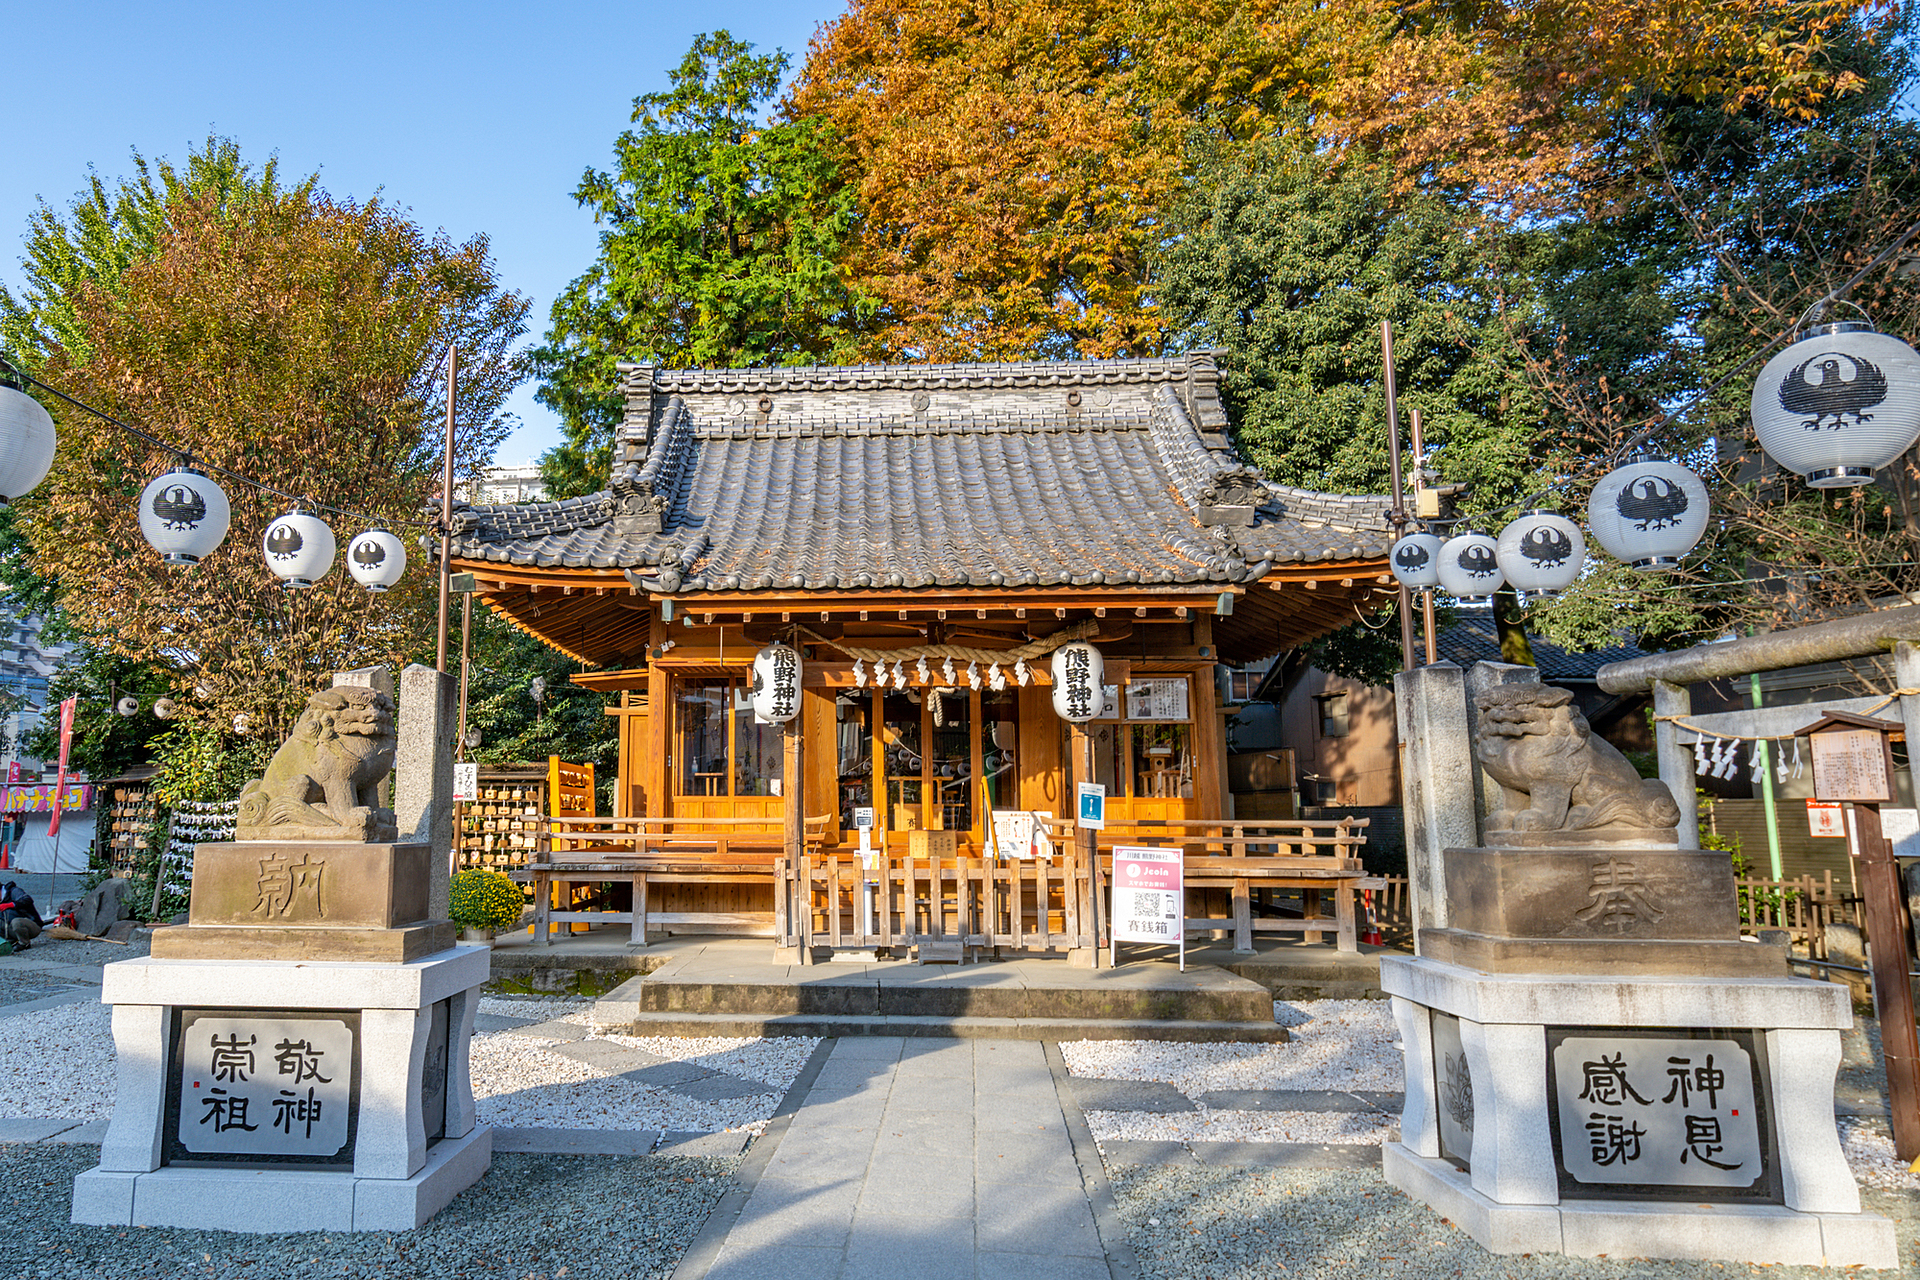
column 1514, row 645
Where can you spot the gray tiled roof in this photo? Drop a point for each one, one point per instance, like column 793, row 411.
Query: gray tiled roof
column 929, row 476
column 1474, row 638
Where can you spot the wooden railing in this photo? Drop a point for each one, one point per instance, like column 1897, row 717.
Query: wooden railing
column 944, row 906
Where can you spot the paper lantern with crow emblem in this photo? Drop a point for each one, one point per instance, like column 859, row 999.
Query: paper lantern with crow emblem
column 376, row 559
column 1839, row 403
column 1416, row 561
column 299, row 549
column 1470, row 567
column 1541, row 551
column 1648, row 513
column 184, row 516
column 26, row 443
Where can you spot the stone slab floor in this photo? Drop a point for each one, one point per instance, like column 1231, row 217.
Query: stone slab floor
column 921, row 1160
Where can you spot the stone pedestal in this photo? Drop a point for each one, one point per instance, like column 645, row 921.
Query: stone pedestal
column 1654, row 1116
column 1607, row 909
column 288, row 1095
column 308, row 900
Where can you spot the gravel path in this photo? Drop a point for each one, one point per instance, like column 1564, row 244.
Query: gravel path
column 578, row 1217
column 1238, row 1224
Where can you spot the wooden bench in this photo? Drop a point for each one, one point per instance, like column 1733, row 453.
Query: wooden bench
column 646, row 851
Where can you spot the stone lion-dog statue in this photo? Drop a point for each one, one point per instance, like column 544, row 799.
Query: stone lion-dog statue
column 324, row 781
column 1556, row 776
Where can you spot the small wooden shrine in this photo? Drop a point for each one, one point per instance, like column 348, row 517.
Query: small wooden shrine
column 925, row 536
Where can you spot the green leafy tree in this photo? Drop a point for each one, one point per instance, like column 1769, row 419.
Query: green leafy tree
column 720, row 235
column 567, row 721
column 1286, row 260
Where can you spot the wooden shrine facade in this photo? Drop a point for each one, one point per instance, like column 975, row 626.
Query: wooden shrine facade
column 926, row 536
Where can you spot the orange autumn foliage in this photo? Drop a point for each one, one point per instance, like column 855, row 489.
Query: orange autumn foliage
column 1014, row 161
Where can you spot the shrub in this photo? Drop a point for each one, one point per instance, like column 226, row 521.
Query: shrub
column 483, row 899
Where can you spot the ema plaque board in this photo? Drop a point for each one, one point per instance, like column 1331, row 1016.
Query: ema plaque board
column 1660, row 1114
column 255, row 1086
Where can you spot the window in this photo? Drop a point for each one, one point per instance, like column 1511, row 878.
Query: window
column 719, row 748
column 1333, row 715
column 1241, row 685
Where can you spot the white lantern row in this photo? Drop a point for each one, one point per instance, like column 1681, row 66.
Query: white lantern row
column 26, row 443
column 185, row 516
column 1838, row 404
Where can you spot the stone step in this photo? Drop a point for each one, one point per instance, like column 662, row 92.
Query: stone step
column 860, row 996
column 622, row 1017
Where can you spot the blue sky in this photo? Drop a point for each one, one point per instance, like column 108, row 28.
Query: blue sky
column 478, row 117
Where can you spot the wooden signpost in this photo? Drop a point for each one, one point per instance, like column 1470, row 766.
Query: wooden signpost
column 1853, row 763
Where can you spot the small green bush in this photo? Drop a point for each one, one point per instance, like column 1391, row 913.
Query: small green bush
column 483, row 899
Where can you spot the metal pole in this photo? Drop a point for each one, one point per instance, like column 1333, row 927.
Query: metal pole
column 1892, row 995
column 466, row 647
column 446, row 508
column 1398, row 513
column 1426, row 597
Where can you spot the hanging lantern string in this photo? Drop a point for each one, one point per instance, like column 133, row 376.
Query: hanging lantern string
column 1640, row 437
column 306, row 504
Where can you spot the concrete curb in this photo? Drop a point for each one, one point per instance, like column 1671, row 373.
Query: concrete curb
column 50, row 1002
column 1122, row 1262
column 705, row 1249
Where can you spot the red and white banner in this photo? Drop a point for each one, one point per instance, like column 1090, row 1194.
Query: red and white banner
column 66, row 744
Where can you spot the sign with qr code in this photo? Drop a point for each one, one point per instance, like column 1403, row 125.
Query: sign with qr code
column 1149, row 898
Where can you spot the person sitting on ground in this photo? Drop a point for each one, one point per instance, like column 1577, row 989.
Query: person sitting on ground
column 20, row 921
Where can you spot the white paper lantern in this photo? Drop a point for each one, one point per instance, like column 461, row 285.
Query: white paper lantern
column 1079, row 681
column 26, row 443
column 184, row 516
column 299, row 549
column 376, row 559
column 1470, row 567
column 1648, row 514
column 1416, row 561
column 127, row 706
column 1838, row 403
column 1541, row 551
column 165, row 708
column 776, row 683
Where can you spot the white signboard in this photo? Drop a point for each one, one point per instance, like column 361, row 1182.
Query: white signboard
column 1149, row 897
column 1013, row 833
column 466, row 781
column 1647, row 1112
column 1163, row 699
column 1093, row 806
column 265, row 1085
column 1826, row 818
column 1850, row 764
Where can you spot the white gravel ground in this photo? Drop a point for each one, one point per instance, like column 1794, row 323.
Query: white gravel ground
column 518, row 1080
column 1363, row 1128
column 1337, row 1044
column 1869, row 1147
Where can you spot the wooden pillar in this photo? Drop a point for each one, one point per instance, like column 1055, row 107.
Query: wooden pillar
column 1892, row 993
column 794, row 791
column 1087, row 845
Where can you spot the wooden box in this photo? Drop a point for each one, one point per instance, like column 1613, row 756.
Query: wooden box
column 933, row 844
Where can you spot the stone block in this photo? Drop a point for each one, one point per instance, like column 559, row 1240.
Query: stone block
column 121, row 930
column 1622, row 957
column 1814, row 1174
column 384, row 1204
column 104, row 1198
column 286, row 984
column 99, row 907
column 254, row 942
column 309, row 884
column 244, row 1200
column 1766, row 1234
column 1859, row 1240
column 1432, row 714
column 423, row 772
column 1504, row 1229
column 142, row 1045
column 1610, row 894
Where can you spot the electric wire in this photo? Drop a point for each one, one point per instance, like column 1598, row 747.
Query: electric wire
column 187, row 457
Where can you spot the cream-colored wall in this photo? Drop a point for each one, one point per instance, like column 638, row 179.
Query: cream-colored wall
column 1365, row 764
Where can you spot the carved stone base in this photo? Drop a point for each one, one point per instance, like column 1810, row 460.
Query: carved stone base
column 1608, row 958
column 1668, row 837
column 265, row 942
column 1598, row 894
column 310, row 884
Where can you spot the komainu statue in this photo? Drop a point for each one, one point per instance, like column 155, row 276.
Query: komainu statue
column 1556, row 776
column 324, row 781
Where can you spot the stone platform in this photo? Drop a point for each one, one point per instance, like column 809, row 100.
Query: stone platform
column 373, row 1058
column 1494, row 1136
column 731, row 987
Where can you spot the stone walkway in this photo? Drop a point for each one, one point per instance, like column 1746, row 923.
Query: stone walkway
column 918, row 1159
